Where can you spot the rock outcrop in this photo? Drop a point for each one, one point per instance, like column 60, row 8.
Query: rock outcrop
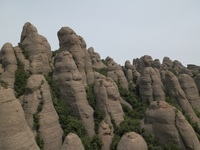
column 190, row 89
column 150, row 85
column 8, row 64
column 72, row 89
column 15, row 133
column 36, row 49
column 170, row 126
column 72, row 142
column 70, row 41
column 115, row 72
column 132, row 141
column 38, row 104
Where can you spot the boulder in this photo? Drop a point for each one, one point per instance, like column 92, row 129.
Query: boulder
column 132, row 141
column 72, row 142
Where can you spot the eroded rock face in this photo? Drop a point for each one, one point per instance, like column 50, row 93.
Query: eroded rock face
column 9, row 64
column 108, row 97
column 190, row 89
column 96, row 59
column 70, row 41
column 176, row 93
column 37, row 50
column 106, row 134
column 72, row 142
column 38, row 96
column 115, row 72
column 150, row 84
column 170, row 126
column 72, row 90
column 132, row 141
column 15, row 133
column 197, row 82
column 131, row 73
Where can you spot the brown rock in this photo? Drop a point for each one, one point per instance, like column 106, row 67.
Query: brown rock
column 38, row 95
column 72, row 90
column 15, row 133
column 190, row 89
column 72, row 142
column 70, row 41
column 170, row 126
column 132, row 141
column 37, row 50
column 9, row 64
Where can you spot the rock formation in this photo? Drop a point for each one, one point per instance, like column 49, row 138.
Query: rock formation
column 71, row 99
column 15, row 133
column 132, row 141
column 72, row 142
column 72, row 89
column 170, row 126
column 8, row 64
column 36, row 49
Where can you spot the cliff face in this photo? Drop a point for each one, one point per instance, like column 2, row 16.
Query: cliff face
column 72, row 99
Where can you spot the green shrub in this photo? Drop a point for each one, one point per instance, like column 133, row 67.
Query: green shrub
column 21, row 77
column 103, row 71
column 4, row 84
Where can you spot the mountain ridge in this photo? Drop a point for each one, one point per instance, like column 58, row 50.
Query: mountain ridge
column 72, row 99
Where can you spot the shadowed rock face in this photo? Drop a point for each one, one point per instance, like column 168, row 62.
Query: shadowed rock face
column 9, row 64
column 72, row 90
column 37, row 50
column 15, row 133
column 132, row 141
column 197, row 82
column 169, row 125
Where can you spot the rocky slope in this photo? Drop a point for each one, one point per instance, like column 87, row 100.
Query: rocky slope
column 72, row 99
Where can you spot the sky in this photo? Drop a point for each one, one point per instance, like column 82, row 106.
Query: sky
column 123, row 30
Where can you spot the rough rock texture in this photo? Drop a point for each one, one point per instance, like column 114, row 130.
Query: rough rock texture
column 131, row 72
column 9, row 64
column 115, row 72
column 197, row 82
column 175, row 92
column 70, row 41
column 193, row 68
column 156, row 64
column 150, row 85
column 37, row 49
column 38, row 95
column 21, row 57
column 108, row 97
column 106, row 133
column 72, row 90
column 72, row 142
column 167, row 63
column 170, row 126
column 96, row 59
column 190, row 89
column 15, row 133
column 132, row 141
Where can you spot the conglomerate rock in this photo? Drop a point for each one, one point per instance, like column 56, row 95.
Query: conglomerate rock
column 15, row 133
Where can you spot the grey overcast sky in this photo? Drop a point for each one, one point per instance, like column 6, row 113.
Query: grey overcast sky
column 120, row 29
